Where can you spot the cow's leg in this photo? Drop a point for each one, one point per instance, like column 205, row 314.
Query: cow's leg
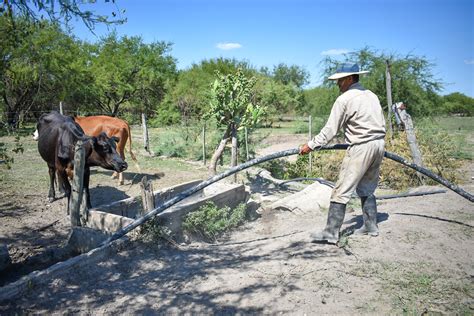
column 87, row 174
column 51, row 194
column 121, row 151
column 60, row 186
column 66, row 185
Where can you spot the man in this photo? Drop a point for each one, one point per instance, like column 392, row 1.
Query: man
column 358, row 112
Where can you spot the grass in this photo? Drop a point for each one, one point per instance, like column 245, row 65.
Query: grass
column 460, row 129
column 417, row 288
column 210, row 222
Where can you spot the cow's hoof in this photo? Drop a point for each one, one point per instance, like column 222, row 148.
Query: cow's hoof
column 51, row 199
column 121, row 182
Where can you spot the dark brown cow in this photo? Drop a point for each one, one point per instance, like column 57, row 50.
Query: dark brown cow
column 58, row 135
column 112, row 126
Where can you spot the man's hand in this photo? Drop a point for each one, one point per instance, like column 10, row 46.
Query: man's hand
column 305, row 149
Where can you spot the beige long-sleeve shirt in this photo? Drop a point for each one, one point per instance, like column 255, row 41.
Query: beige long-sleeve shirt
column 359, row 113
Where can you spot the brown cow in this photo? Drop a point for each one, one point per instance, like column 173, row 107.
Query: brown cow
column 112, row 126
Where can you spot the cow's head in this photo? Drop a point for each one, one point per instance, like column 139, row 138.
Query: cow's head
column 104, row 153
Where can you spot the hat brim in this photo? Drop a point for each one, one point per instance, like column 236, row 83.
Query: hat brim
column 340, row 75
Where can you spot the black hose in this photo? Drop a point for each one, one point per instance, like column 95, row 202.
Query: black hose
column 322, row 181
column 431, row 175
column 159, row 211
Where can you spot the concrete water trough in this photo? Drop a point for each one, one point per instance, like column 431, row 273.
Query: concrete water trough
column 112, row 217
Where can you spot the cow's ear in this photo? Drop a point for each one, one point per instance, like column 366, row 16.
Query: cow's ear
column 115, row 139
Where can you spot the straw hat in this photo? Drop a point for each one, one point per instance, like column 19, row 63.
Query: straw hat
column 346, row 70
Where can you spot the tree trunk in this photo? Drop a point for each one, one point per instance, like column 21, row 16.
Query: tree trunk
column 235, row 147
column 218, row 153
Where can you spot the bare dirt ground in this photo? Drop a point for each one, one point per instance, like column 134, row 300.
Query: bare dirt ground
column 421, row 262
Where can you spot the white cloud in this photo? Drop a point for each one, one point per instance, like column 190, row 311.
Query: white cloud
column 334, row 51
column 228, row 46
column 469, row 62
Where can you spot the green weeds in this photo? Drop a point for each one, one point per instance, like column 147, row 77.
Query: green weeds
column 210, row 221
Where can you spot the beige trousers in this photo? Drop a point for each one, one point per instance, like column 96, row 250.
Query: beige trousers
column 360, row 171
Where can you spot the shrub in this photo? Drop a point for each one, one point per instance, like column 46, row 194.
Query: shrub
column 210, row 222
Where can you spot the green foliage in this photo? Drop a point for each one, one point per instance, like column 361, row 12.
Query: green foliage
column 412, row 78
column 60, row 12
column 42, row 65
column 290, row 75
column 5, row 156
column 458, row 103
column 210, row 221
column 319, row 100
column 171, row 144
column 126, row 70
column 231, row 101
column 277, row 98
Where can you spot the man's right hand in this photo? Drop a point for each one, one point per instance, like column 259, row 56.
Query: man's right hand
column 305, row 149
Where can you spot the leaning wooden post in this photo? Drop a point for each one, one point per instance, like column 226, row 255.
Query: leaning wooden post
column 77, row 185
column 148, row 199
column 310, row 135
column 234, row 152
column 146, row 142
column 61, row 107
column 388, row 84
column 411, row 139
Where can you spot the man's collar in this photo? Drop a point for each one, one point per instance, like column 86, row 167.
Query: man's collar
column 356, row 85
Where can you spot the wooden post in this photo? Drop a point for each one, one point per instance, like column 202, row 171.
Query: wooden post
column 61, row 107
column 204, row 144
column 388, row 84
column 411, row 139
column 246, row 144
column 310, row 136
column 148, row 199
column 146, row 143
column 77, row 184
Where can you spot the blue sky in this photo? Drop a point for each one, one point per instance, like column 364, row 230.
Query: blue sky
column 301, row 32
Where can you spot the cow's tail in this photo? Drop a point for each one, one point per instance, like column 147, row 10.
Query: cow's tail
column 134, row 158
column 130, row 144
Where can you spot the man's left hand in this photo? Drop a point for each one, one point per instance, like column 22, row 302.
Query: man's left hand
column 305, row 149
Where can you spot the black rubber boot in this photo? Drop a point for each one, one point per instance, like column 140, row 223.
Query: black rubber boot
column 369, row 213
column 330, row 234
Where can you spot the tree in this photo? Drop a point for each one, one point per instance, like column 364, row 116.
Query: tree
column 189, row 97
column 126, row 71
column 458, row 103
column 276, row 97
column 40, row 66
column 412, row 78
column 293, row 74
column 232, row 108
column 59, row 12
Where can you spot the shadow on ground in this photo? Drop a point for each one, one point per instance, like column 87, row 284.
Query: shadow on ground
column 151, row 280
